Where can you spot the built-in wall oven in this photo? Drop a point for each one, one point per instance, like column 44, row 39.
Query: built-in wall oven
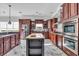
column 71, row 27
column 71, row 43
column 70, row 30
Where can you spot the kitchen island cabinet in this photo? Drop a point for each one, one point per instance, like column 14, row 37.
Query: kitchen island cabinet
column 13, row 41
column 1, row 46
column 8, row 42
column 17, row 37
column 35, row 44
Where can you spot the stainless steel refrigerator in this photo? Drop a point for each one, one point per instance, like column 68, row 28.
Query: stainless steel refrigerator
column 25, row 31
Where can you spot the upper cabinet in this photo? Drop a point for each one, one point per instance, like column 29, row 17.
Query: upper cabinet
column 45, row 24
column 73, row 9
column 65, row 10
column 68, row 11
column 39, row 21
column 78, row 8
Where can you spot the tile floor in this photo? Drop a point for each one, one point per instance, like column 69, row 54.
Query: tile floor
column 49, row 49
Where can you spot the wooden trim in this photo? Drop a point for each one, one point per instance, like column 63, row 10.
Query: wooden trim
column 68, row 52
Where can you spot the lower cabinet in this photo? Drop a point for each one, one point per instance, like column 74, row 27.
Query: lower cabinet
column 60, row 41
column 13, row 41
column 17, row 41
column 53, row 38
column 49, row 36
column 1, row 46
column 46, row 35
column 6, row 44
column 68, row 52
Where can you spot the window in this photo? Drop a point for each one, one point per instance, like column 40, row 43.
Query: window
column 16, row 25
column 4, row 26
column 10, row 26
column 39, row 26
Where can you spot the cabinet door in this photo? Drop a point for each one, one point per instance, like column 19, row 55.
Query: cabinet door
column 73, row 9
column 65, row 10
column 78, row 8
column 6, row 44
column 17, row 39
column 46, row 35
column 1, row 46
column 52, row 37
column 13, row 41
column 49, row 36
column 61, row 14
column 39, row 21
column 60, row 41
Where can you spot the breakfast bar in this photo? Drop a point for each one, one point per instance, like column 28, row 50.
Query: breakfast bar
column 35, row 44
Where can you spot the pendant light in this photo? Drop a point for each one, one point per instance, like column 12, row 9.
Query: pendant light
column 9, row 22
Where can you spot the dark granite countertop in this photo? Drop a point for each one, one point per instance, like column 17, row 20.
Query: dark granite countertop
column 63, row 34
column 7, row 34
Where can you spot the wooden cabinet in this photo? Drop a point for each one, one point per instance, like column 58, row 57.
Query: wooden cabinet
column 60, row 41
column 39, row 21
column 68, row 52
column 73, row 9
column 1, row 46
column 45, row 24
column 68, row 11
column 49, row 36
column 24, row 22
column 17, row 40
column 53, row 38
column 13, row 41
column 46, row 34
column 78, row 8
column 6, row 44
column 65, row 10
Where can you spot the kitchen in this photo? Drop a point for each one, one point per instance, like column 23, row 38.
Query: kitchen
column 51, row 26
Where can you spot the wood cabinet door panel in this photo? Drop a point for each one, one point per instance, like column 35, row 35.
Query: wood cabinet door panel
column 1, row 46
column 6, row 44
column 60, row 41
column 73, row 9
column 78, row 8
column 65, row 10
column 17, row 39
column 12, row 41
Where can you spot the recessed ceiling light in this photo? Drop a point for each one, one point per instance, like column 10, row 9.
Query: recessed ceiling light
column 4, row 12
column 36, row 11
column 51, row 12
column 20, row 12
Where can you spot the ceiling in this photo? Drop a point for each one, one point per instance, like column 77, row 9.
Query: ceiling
column 28, row 10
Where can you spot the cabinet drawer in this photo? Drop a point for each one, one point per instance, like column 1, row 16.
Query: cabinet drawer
column 35, row 43
column 35, row 51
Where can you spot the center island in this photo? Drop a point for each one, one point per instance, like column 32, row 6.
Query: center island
column 35, row 44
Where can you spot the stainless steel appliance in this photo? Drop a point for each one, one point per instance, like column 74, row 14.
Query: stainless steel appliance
column 25, row 31
column 71, row 43
column 71, row 27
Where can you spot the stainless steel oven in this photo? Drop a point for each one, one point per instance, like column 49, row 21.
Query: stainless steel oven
column 71, row 43
column 71, row 27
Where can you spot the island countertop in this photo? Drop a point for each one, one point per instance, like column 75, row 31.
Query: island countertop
column 35, row 36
